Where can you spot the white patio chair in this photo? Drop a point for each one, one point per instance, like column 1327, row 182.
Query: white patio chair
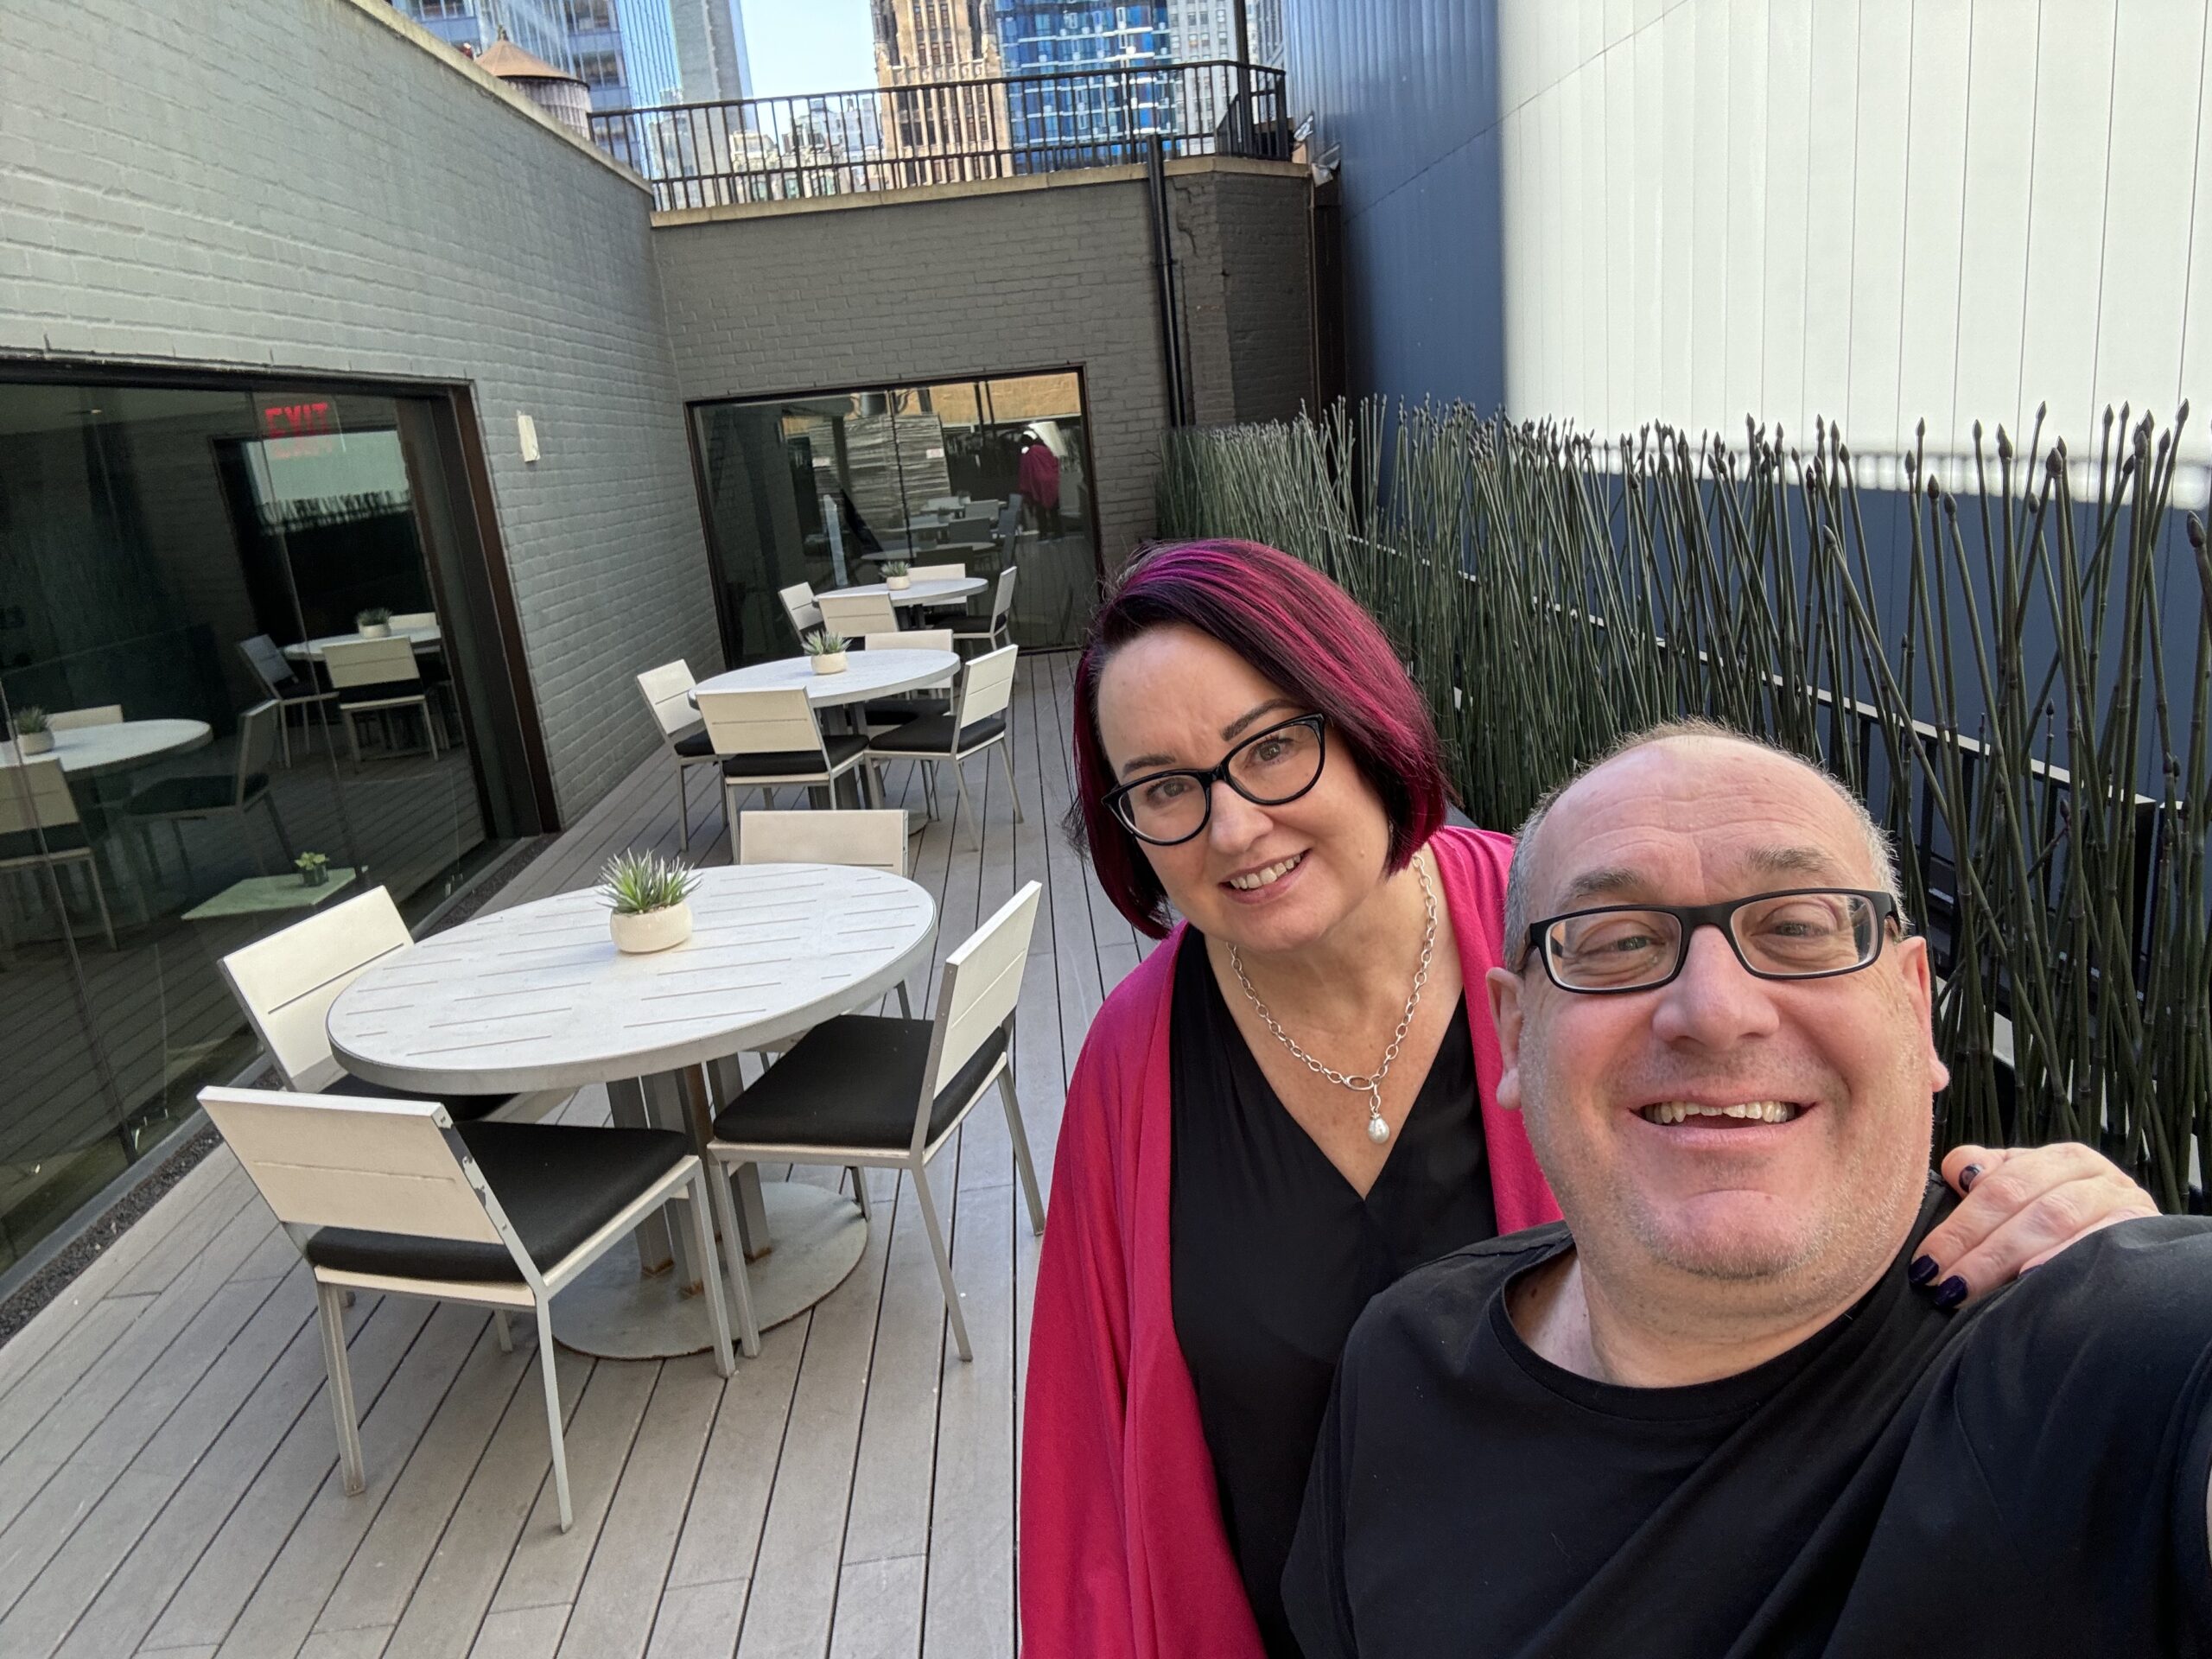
column 998, row 631
column 975, row 721
column 799, row 606
column 284, row 686
column 851, row 615
column 286, row 981
column 378, row 677
column 40, row 826
column 768, row 739
column 912, row 705
column 205, row 796
column 667, row 691
column 865, row 1090
column 70, row 720
column 391, row 1195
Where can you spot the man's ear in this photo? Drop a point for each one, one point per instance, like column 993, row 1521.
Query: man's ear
column 1504, row 992
column 1912, row 961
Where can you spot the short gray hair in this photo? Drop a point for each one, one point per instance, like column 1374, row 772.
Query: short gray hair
column 1878, row 849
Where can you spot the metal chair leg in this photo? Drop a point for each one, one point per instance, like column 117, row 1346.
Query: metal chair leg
column 330, row 1314
column 503, row 1330
column 860, row 1191
column 967, row 805
column 683, row 806
column 710, row 1277
column 931, row 1225
column 276, row 823
column 553, row 1411
column 99, row 897
column 1021, row 1159
column 733, row 1256
column 1006, row 754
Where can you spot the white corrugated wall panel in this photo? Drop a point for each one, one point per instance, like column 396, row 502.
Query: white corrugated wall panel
column 1927, row 321
column 2073, row 105
column 1884, row 162
column 1742, row 346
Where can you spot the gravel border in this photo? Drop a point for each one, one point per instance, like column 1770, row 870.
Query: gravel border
column 23, row 1303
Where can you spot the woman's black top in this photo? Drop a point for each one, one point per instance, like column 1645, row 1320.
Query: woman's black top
column 1273, row 1255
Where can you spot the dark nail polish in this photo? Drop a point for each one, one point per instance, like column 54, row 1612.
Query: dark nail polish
column 1922, row 1270
column 1968, row 1176
column 1951, row 1292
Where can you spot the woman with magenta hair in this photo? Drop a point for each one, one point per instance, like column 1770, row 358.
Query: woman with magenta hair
column 1289, row 1104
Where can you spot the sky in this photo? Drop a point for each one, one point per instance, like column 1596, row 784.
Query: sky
column 808, row 45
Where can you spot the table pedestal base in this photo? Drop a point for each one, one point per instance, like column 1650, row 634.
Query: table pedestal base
column 613, row 1311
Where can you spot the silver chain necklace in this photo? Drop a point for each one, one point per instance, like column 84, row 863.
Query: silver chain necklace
column 1370, row 1084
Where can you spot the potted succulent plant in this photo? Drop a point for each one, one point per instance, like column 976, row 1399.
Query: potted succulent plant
column 895, row 576
column 375, row 623
column 33, row 734
column 826, row 651
column 313, row 868
column 647, row 895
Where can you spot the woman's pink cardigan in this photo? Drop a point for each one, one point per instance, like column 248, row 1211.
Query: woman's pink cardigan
column 1122, row 1551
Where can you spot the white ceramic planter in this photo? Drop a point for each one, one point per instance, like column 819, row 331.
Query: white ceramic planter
column 376, row 630
column 654, row 930
column 34, row 743
column 830, row 662
column 898, row 584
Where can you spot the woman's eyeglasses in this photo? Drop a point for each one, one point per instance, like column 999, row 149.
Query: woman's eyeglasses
column 1268, row 769
column 1802, row 933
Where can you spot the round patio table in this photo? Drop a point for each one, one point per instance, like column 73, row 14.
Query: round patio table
column 536, row 997
column 427, row 636
column 937, row 590
column 869, row 675
column 89, row 751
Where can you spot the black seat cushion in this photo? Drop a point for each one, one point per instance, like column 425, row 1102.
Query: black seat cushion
column 49, row 842
column 799, row 762
column 697, row 747
column 558, row 1182
column 463, row 1108
column 885, row 713
column 206, row 793
column 853, row 1081
column 932, row 734
column 293, row 688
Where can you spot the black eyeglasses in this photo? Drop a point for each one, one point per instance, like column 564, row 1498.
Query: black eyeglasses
column 1269, row 768
column 1800, row 933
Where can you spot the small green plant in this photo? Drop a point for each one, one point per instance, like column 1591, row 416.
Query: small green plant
column 307, row 861
column 375, row 617
column 895, row 567
column 31, row 719
column 634, row 883
column 824, row 644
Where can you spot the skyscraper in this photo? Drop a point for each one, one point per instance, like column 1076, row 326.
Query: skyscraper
column 946, row 132
column 630, row 53
column 1200, row 31
column 1122, row 94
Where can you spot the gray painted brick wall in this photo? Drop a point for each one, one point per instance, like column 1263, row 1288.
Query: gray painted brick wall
column 293, row 183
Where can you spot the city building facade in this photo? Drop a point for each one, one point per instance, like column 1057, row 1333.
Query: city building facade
column 932, row 133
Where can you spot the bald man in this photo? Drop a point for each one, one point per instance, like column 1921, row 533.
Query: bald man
column 1711, row 1413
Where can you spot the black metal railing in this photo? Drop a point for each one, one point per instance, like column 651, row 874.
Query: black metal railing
column 946, row 132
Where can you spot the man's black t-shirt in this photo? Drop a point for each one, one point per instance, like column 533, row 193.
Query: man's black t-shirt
column 2026, row 1476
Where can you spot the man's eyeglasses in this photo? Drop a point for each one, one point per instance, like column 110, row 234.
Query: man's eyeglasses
column 1800, row 933
column 1268, row 769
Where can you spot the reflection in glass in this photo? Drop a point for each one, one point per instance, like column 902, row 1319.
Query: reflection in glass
column 174, row 564
column 825, row 490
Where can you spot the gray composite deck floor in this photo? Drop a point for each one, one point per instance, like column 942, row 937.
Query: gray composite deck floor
column 167, row 1468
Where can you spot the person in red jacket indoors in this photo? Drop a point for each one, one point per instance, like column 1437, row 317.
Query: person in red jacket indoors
column 1038, row 478
column 1290, row 1103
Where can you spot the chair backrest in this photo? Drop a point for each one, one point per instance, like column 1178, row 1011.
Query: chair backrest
column 853, row 614
column 370, row 662
column 799, row 604
column 773, row 720
column 1002, row 597
column 973, row 526
column 384, row 1166
column 1010, row 518
column 987, row 685
column 287, row 981
column 909, row 639
column 939, row 572
column 70, row 720
column 267, row 662
column 667, row 693
column 413, row 618
column 34, row 795
column 941, row 503
column 868, row 840
column 980, row 986
column 257, row 745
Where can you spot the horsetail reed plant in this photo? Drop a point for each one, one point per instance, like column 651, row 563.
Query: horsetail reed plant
column 635, row 883
column 2009, row 655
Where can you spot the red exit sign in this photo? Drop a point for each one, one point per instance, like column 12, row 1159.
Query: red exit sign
column 299, row 428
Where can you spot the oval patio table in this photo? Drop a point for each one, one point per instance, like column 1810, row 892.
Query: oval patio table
column 867, row 675
column 425, row 637
column 934, row 590
column 536, row 997
column 89, row 751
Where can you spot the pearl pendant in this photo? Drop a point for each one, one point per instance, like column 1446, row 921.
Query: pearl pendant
column 1377, row 1130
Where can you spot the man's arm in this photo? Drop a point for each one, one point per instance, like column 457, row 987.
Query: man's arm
column 1314, row 1596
